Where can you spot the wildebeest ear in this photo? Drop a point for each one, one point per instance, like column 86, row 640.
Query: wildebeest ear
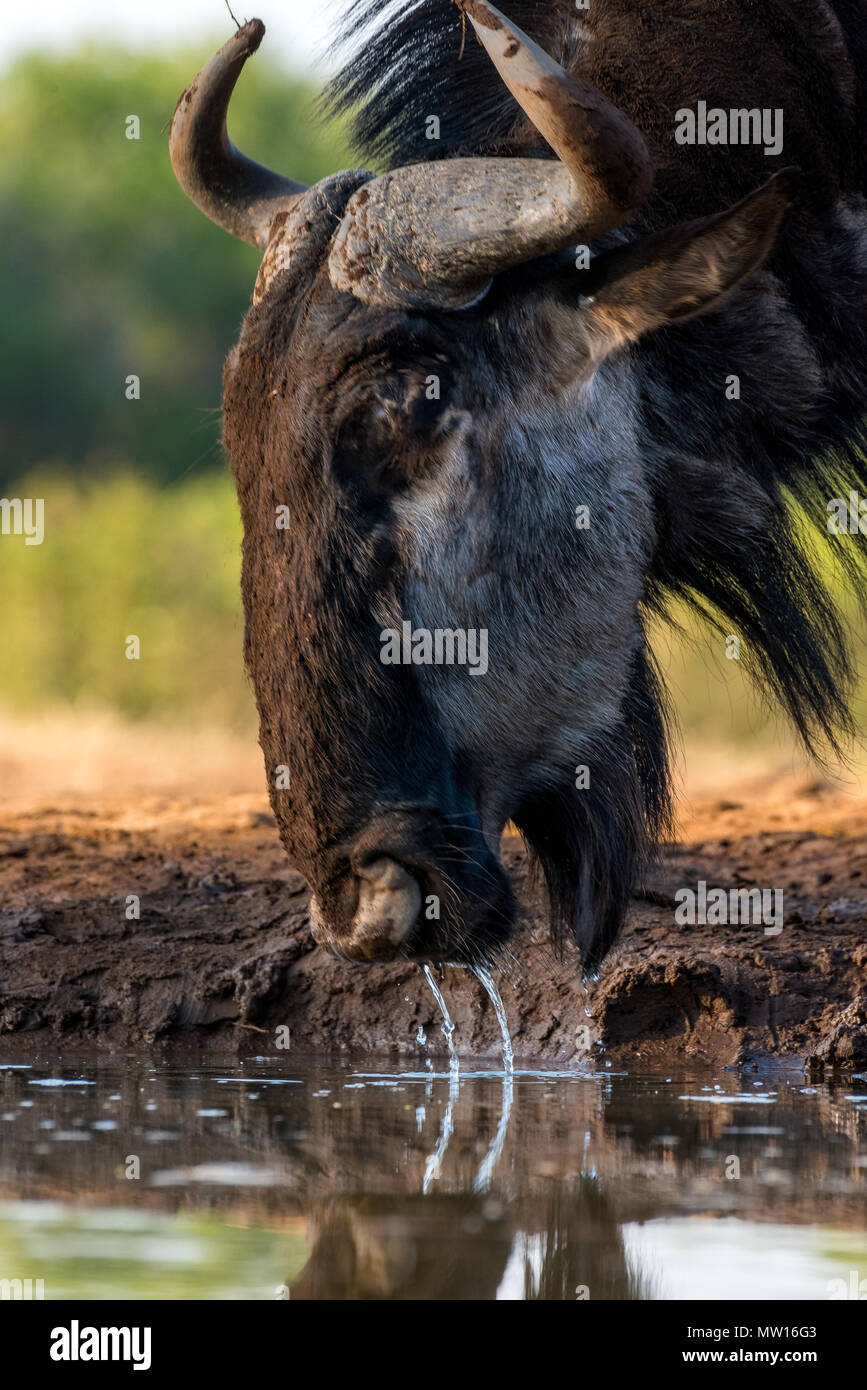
column 685, row 271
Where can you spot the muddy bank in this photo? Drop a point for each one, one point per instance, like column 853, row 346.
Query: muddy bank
column 221, row 957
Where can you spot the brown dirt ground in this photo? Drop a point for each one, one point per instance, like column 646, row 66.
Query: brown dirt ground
column 222, row 954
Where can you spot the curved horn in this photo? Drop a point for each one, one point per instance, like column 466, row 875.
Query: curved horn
column 432, row 235
column 236, row 193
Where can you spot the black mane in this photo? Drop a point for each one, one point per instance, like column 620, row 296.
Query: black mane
column 421, row 61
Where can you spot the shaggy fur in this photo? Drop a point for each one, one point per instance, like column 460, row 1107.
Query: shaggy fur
column 463, row 517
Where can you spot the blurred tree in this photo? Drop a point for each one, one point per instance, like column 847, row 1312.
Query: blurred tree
column 125, row 555
column 108, row 271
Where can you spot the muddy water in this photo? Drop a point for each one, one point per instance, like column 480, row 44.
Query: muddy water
column 278, row 1178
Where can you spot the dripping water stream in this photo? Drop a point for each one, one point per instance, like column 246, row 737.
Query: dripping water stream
column 483, row 1177
column 486, row 979
column 447, row 1026
column 434, row 1163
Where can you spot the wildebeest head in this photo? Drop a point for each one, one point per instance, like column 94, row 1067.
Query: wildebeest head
column 448, row 524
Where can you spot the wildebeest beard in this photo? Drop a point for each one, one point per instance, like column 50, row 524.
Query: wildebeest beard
column 594, row 847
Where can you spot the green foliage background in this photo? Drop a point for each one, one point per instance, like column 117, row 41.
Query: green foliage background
column 107, row 270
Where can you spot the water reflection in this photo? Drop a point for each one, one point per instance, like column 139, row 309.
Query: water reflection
column 461, row 1246
column 354, row 1183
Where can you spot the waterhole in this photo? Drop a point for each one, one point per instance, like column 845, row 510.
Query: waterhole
column 280, row 1178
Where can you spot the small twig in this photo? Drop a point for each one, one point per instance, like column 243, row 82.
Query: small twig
column 460, row 5
column 229, row 8
column 252, row 1027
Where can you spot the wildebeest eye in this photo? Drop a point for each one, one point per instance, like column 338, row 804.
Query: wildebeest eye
column 390, row 436
column 360, row 463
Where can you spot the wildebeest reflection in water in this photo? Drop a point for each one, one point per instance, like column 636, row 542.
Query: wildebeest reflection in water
column 349, row 1184
column 457, row 1246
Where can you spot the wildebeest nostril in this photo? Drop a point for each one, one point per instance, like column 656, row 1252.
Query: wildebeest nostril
column 389, row 902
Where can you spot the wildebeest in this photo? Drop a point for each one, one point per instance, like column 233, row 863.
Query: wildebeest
column 478, row 427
